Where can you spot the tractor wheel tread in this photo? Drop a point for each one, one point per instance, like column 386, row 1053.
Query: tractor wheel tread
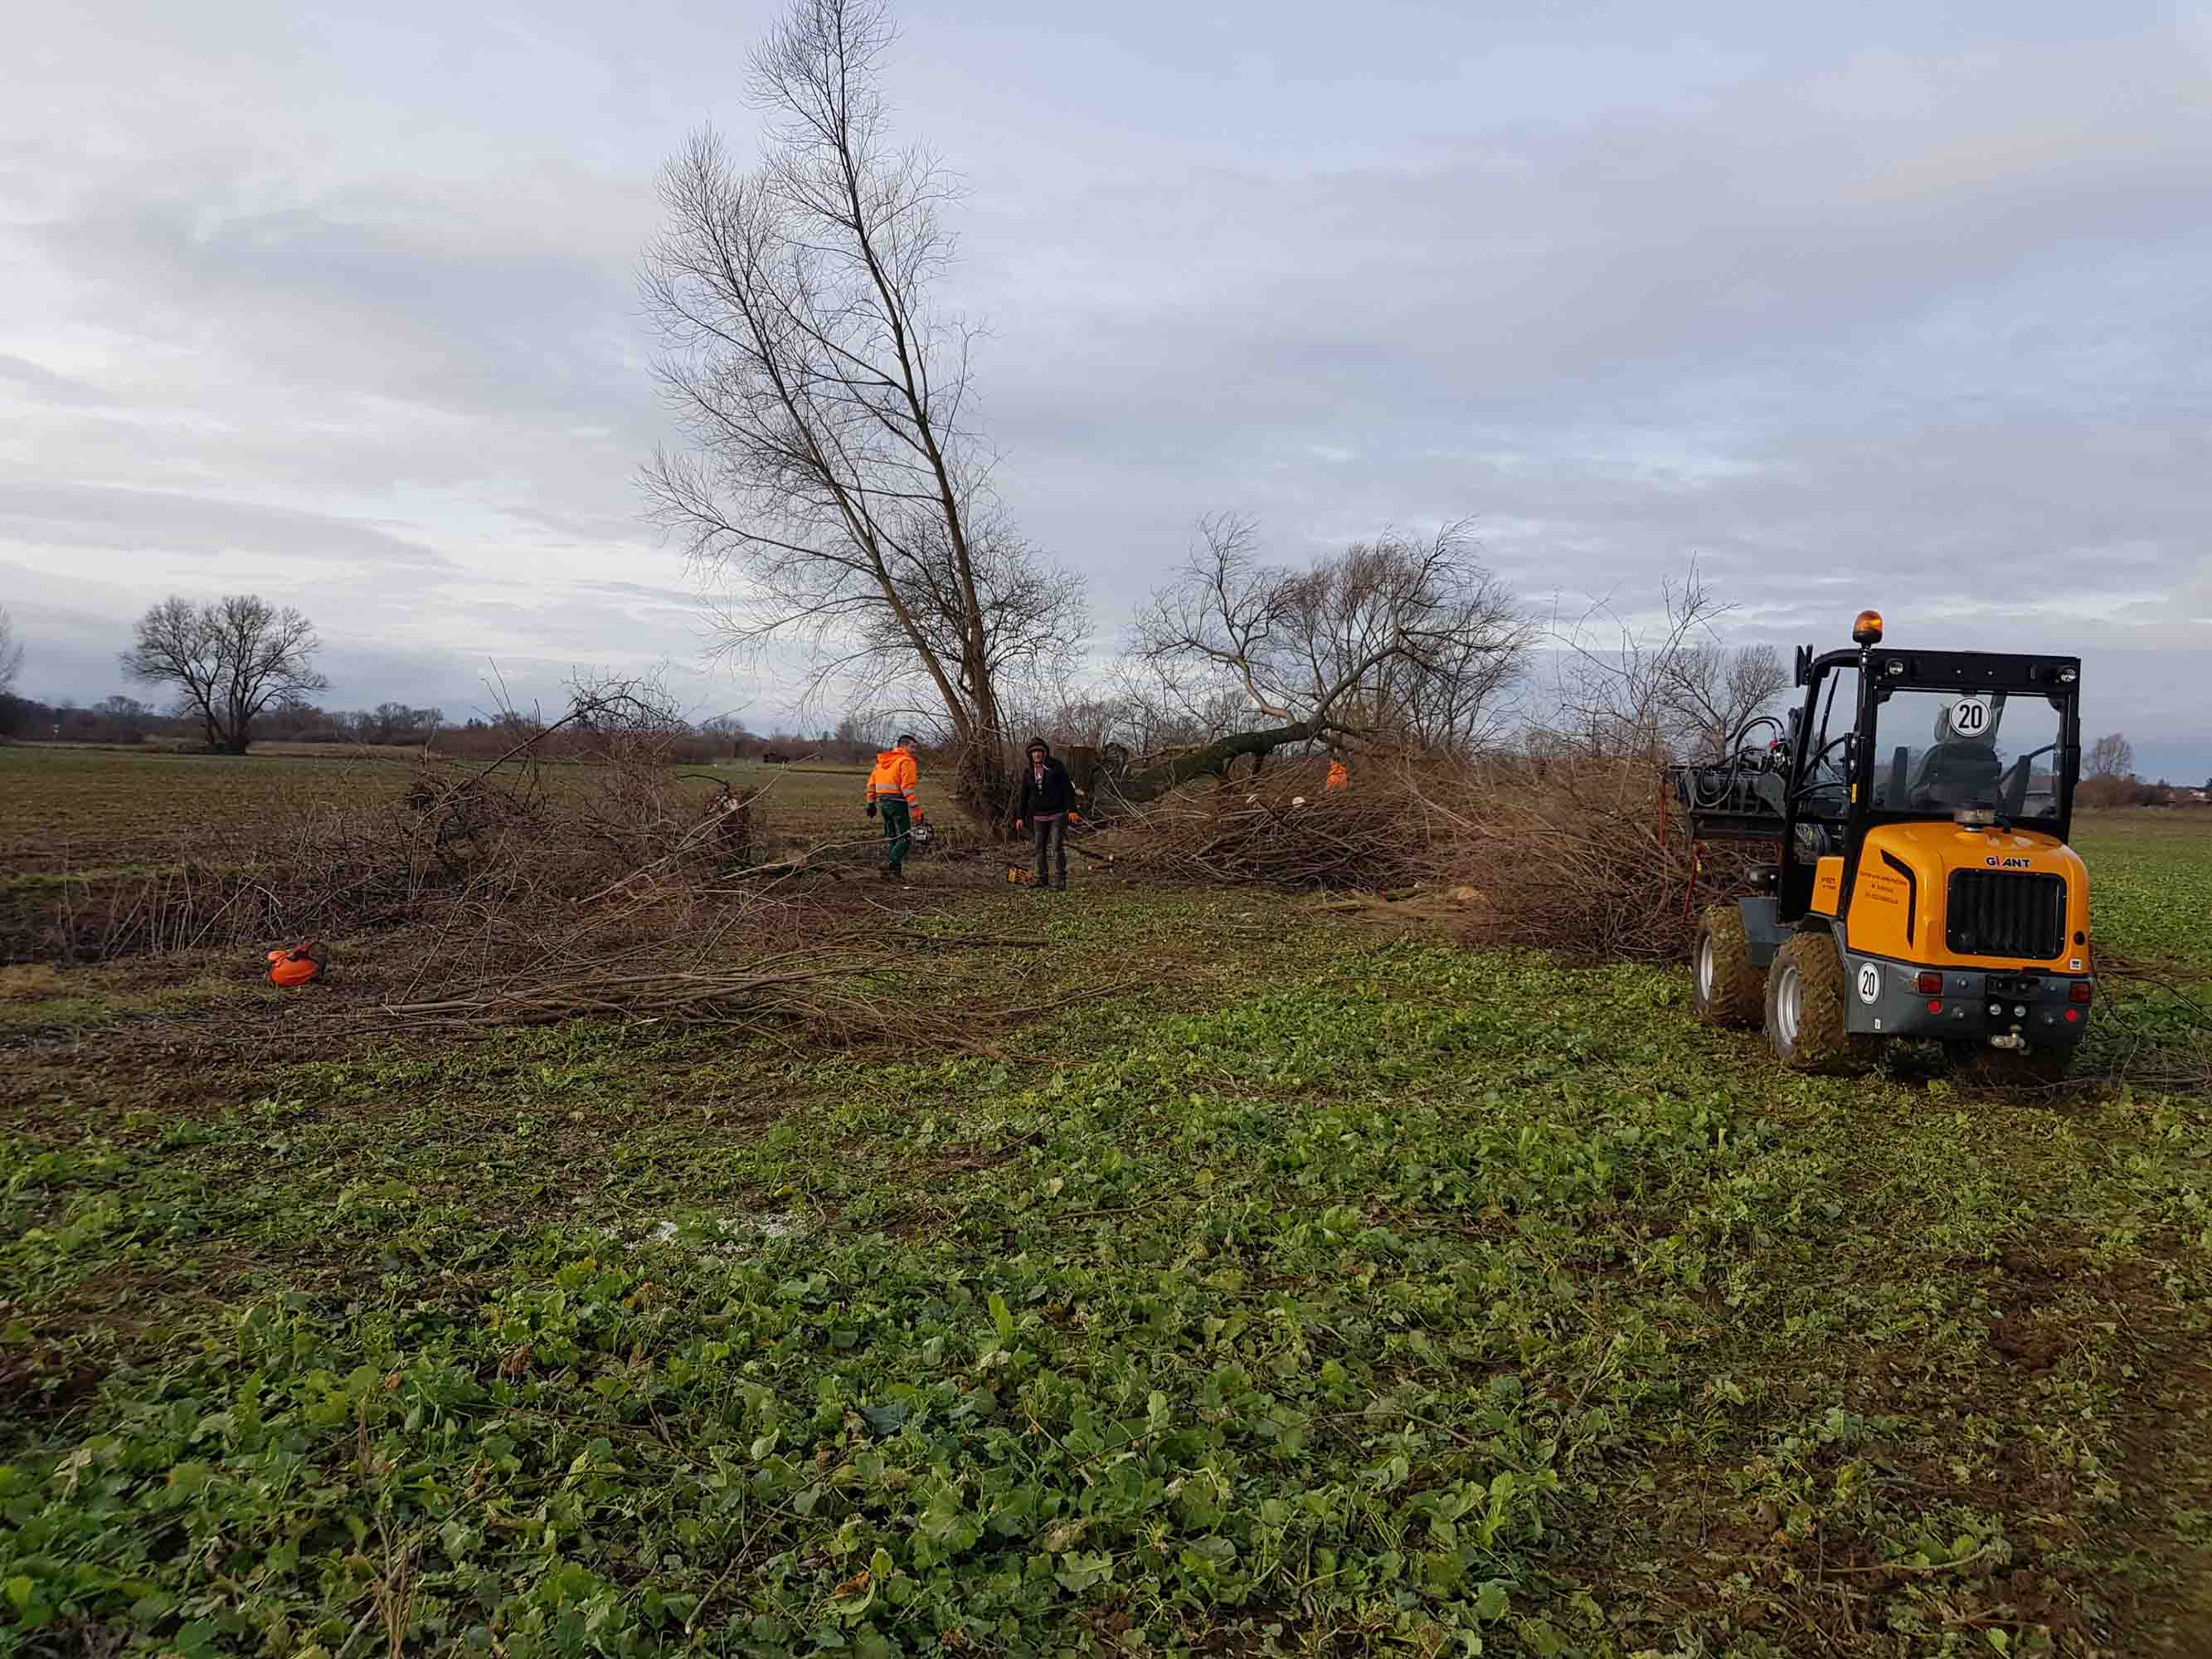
column 1737, row 988
column 1822, row 1046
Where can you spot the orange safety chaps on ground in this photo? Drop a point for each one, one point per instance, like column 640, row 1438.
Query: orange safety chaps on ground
column 294, row 966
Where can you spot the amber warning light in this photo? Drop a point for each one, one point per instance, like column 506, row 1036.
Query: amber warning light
column 1867, row 630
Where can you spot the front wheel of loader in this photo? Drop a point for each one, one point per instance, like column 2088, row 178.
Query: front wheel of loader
column 1724, row 985
column 1805, row 1001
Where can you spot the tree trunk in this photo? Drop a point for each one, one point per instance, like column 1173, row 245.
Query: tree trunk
column 984, row 784
column 1212, row 760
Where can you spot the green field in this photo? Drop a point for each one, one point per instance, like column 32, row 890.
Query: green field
column 2151, row 881
column 1303, row 1295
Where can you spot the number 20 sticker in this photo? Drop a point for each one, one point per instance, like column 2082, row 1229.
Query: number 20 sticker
column 1970, row 718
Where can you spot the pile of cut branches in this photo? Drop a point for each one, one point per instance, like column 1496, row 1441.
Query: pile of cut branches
column 1567, row 854
column 1287, row 831
column 1570, row 853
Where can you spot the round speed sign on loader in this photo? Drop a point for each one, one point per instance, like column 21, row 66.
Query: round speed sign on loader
column 1970, row 718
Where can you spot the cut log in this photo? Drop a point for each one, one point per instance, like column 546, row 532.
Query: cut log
column 1213, row 760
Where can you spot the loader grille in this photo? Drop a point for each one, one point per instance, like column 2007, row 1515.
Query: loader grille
column 2001, row 912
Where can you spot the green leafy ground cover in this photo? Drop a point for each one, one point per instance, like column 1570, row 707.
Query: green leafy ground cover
column 2152, row 881
column 1314, row 1295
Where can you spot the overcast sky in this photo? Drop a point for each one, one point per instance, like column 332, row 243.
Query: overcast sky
column 1899, row 305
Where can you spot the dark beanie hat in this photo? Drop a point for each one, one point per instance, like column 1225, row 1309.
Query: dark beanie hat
column 1038, row 743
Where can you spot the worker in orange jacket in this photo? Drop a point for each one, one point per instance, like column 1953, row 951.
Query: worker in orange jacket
column 891, row 792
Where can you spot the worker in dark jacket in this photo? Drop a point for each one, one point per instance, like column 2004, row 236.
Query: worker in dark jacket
column 1048, row 801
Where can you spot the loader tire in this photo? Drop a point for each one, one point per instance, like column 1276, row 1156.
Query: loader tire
column 1983, row 1067
column 1725, row 986
column 1805, row 1002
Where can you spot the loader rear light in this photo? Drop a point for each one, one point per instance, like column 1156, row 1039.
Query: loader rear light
column 2073, row 1016
column 1935, row 1005
column 2079, row 991
column 1930, row 984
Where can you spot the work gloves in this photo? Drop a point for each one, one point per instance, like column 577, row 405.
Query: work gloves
column 871, row 809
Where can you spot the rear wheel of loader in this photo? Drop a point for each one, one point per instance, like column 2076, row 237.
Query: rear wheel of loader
column 2008, row 1068
column 1725, row 986
column 1805, row 993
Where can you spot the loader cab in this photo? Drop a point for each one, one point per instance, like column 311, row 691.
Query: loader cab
column 1885, row 736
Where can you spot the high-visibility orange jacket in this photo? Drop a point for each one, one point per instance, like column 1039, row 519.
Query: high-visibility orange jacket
column 895, row 775
column 1339, row 776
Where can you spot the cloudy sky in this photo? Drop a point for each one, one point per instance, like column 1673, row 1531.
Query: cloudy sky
column 1906, row 305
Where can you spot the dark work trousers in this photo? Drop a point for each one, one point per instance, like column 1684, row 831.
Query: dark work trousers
column 1051, row 844
column 898, row 824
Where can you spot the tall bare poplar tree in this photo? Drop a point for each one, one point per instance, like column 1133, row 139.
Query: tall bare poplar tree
column 828, row 476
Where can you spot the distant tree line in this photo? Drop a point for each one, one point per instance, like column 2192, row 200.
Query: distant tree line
column 2108, row 778
column 240, row 671
column 122, row 719
column 1397, row 646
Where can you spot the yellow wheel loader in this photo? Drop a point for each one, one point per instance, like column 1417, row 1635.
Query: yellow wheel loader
column 1925, row 889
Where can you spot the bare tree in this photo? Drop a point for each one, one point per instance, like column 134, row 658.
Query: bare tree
column 11, row 653
column 1709, row 691
column 2111, row 756
column 1658, row 686
column 397, row 722
column 227, row 660
column 1392, row 643
column 1033, row 617
column 830, row 471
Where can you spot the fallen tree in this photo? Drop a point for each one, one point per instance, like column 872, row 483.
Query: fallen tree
column 1148, row 782
column 1394, row 645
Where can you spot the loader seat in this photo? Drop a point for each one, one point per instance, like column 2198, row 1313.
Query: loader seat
column 1958, row 774
column 1955, row 771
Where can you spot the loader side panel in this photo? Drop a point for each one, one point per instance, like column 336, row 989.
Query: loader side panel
column 1828, row 886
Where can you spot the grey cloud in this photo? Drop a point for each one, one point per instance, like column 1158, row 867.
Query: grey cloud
column 44, row 384
column 123, row 522
column 421, row 308
column 673, row 598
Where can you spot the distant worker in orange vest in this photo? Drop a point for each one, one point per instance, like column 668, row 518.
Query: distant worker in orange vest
column 891, row 791
column 1339, row 776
